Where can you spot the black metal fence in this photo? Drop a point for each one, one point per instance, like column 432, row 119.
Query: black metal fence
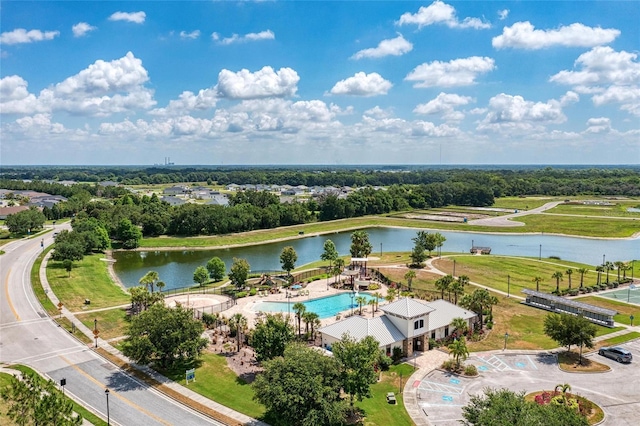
column 213, row 309
column 193, row 290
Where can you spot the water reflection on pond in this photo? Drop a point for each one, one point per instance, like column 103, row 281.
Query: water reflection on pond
column 176, row 267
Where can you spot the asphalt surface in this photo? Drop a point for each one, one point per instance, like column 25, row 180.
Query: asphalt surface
column 28, row 336
column 441, row 395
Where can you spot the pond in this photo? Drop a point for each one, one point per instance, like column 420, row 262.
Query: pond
column 176, row 267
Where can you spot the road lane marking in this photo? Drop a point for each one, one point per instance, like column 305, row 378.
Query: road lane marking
column 116, row 394
column 6, row 291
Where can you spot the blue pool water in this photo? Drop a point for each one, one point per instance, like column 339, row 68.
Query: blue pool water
column 325, row 307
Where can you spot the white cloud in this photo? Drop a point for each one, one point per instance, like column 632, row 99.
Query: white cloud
column 39, row 123
column 391, row 47
column 502, row 14
column 235, row 38
column 135, row 17
column 21, row 35
column 81, row 29
column 457, row 72
column 192, row 35
column 523, row 35
column 377, row 112
column 598, row 125
column 15, row 98
column 440, row 13
column 261, row 84
column 569, row 98
column 427, row 128
column 445, row 104
column 187, row 102
column 514, row 113
column 362, row 84
column 610, row 76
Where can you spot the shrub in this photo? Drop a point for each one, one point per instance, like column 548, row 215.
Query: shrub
column 573, row 292
column 253, row 292
column 555, row 257
column 470, row 370
column 396, row 354
column 374, row 287
column 384, row 362
column 489, row 325
column 241, row 294
column 449, row 365
column 433, row 344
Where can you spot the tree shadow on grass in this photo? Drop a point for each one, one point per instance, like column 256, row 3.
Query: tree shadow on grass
column 177, row 372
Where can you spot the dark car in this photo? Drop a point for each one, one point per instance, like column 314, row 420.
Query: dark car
column 617, row 353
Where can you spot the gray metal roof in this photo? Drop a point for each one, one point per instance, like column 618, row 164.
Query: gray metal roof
column 407, row 308
column 569, row 302
column 444, row 312
column 380, row 328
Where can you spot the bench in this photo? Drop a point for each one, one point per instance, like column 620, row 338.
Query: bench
column 391, row 398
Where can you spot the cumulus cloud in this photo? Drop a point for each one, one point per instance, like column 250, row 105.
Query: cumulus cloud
column 427, row 128
column 362, row 84
column 187, row 102
column 134, row 17
column 507, row 112
column 440, row 13
column 377, row 112
column 502, row 14
column 457, row 72
column 235, row 38
column 523, row 35
column 21, row 35
column 598, row 125
column 610, row 76
column 261, row 84
column 15, row 97
column 81, row 29
column 391, row 47
column 445, row 104
column 192, row 35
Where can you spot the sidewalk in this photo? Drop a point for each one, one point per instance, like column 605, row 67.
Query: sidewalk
column 187, row 393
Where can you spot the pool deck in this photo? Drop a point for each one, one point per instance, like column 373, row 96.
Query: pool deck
column 316, row 289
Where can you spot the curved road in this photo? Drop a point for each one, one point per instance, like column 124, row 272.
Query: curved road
column 28, row 336
column 505, row 220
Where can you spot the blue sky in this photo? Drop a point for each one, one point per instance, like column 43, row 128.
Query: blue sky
column 320, row 82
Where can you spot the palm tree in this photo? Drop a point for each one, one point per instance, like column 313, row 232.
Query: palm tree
column 608, row 266
column 460, row 324
column 457, row 288
column 378, row 296
column 492, row 300
column 309, row 319
column 361, row 300
column 149, row 280
column 537, row 280
column 619, row 266
column 626, row 268
column 599, row 269
column 372, row 303
column 410, row 275
column 391, row 294
column 442, row 284
column 569, row 272
column 582, row 272
column 238, row 322
column 459, row 351
column 558, row 277
column 477, row 302
column 464, row 280
column 299, row 309
column 337, row 268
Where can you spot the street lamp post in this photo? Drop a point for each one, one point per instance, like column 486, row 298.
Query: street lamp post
column 454, row 267
column 506, row 336
column 381, row 250
column 508, row 285
column 352, row 295
column 106, row 392
column 540, row 253
column 95, row 330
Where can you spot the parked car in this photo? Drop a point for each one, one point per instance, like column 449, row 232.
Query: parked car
column 617, row 353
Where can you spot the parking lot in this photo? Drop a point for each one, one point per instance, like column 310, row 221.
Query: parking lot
column 442, row 395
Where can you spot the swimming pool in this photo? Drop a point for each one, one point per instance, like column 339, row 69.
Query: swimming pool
column 325, row 307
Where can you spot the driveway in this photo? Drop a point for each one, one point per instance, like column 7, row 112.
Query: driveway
column 441, row 395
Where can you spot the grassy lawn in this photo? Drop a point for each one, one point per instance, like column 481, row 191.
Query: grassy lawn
column 492, row 271
column 36, row 284
column 376, row 409
column 583, row 226
column 216, row 381
column 570, row 362
column 89, row 280
column 523, row 203
column 617, row 210
column 617, row 340
column 624, row 310
column 111, row 323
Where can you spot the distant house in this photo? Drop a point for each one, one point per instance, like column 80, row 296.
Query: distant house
column 108, row 183
column 46, row 201
column 6, row 211
column 406, row 323
column 219, row 200
column 174, row 201
column 176, row 190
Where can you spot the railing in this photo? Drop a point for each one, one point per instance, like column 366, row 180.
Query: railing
column 211, row 309
column 193, row 290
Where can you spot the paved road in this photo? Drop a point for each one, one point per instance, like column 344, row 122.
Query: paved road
column 505, row 220
column 28, row 336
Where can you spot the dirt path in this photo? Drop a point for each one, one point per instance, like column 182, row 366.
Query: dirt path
column 505, row 221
